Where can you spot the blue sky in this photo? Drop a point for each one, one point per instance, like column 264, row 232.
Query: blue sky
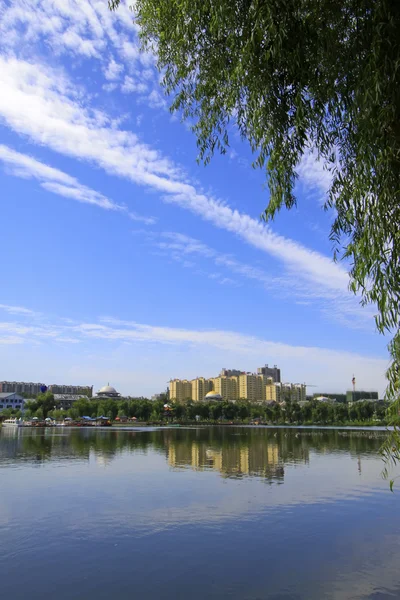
column 123, row 260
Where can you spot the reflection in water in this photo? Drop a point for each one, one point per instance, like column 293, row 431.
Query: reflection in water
column 233, row 452
column 232, row 457
column 184, row 513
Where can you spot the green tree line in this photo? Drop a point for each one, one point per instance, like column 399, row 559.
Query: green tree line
column 313, row 412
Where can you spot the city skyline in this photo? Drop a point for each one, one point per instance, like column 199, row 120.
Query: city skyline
column 234, row 384
column 126, row 261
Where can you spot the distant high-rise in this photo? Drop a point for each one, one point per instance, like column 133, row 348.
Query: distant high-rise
column 226, row 387
column 281, row 392
column 200, row 387
column 20, row 387
column 233, row 385
column 86, row 390
column 230, row 372
column 357, row 395
column 180, row 389
column 273, row 372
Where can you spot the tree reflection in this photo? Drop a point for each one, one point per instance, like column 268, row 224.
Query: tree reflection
column 231, row 451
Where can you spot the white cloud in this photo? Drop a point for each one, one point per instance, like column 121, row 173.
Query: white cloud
column 58, row 182
column 109, row 87
column 314, row 175
column 11, row 340
column 58, row 121
column 156, row 100
column 330, row 369
column 343, row 308
column 17, row 310
column 67, row 340
column 83, row 28
column 113, row 70
column 131, row 85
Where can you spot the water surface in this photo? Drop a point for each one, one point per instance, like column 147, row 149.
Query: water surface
column 237, row 513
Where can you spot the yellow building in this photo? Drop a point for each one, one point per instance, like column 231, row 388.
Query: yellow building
column 227, row 387
column 281, row 392
column 247, row 387
column 298, row 392
column 200, row 387
column 272, row 391
column 180, row 389
column 252, row 387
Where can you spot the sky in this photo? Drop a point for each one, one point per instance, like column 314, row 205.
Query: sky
column 125, row 261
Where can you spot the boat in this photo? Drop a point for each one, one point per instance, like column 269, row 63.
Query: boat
column 102, row 422
column 13, row 423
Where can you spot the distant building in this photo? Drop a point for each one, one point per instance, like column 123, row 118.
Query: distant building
column 335, row 397
column 355, row 396
column 226, row 387
column 233, row 385
column 180, row 389
column 273, row 372
column 248, row 387
column 283, row 392
column 325, row 399
column 13, row 401
column 230, row 372
column 107, row 392
column 20, row 387
column 66, row 401
column 86, row 390
column 200, row 387
column 213, row 396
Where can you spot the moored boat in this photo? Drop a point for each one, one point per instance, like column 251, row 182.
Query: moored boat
column 13, row 422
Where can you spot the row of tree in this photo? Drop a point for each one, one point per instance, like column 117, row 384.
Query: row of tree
column 145, row 410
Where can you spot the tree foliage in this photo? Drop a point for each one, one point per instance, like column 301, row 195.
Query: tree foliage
column 44, row 403
column 242, row 410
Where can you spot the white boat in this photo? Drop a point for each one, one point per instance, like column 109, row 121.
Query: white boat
column 13, row 423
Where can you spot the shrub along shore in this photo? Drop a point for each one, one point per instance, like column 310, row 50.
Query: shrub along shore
column 189, row 412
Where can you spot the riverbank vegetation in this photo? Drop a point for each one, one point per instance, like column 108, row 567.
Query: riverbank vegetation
column 242, row 411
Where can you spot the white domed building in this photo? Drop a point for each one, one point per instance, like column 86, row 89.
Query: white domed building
column 212, row 396
column 107, row 392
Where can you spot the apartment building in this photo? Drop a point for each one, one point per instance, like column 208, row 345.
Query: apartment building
column 281, row 392
column 200, row 387
column 227, row 387
column 180, row 389
column 248, row 387
column 85, row 390
column 20, row 387
column 232, row 384
column 273, row 372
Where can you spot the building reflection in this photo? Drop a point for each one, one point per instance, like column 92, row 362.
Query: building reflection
column 231, row 452
column 255, row 460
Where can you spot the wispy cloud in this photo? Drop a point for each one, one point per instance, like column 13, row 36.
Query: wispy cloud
column 60, row 183
column 85, row 30
column 308, row 362
column 58, row 121
column 131, row 85
column 18, row 310
column 335, row 306
column 113, row 70
column 10, row 340
column 314, row 175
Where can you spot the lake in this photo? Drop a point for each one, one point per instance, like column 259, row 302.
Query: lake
column 246, row 513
